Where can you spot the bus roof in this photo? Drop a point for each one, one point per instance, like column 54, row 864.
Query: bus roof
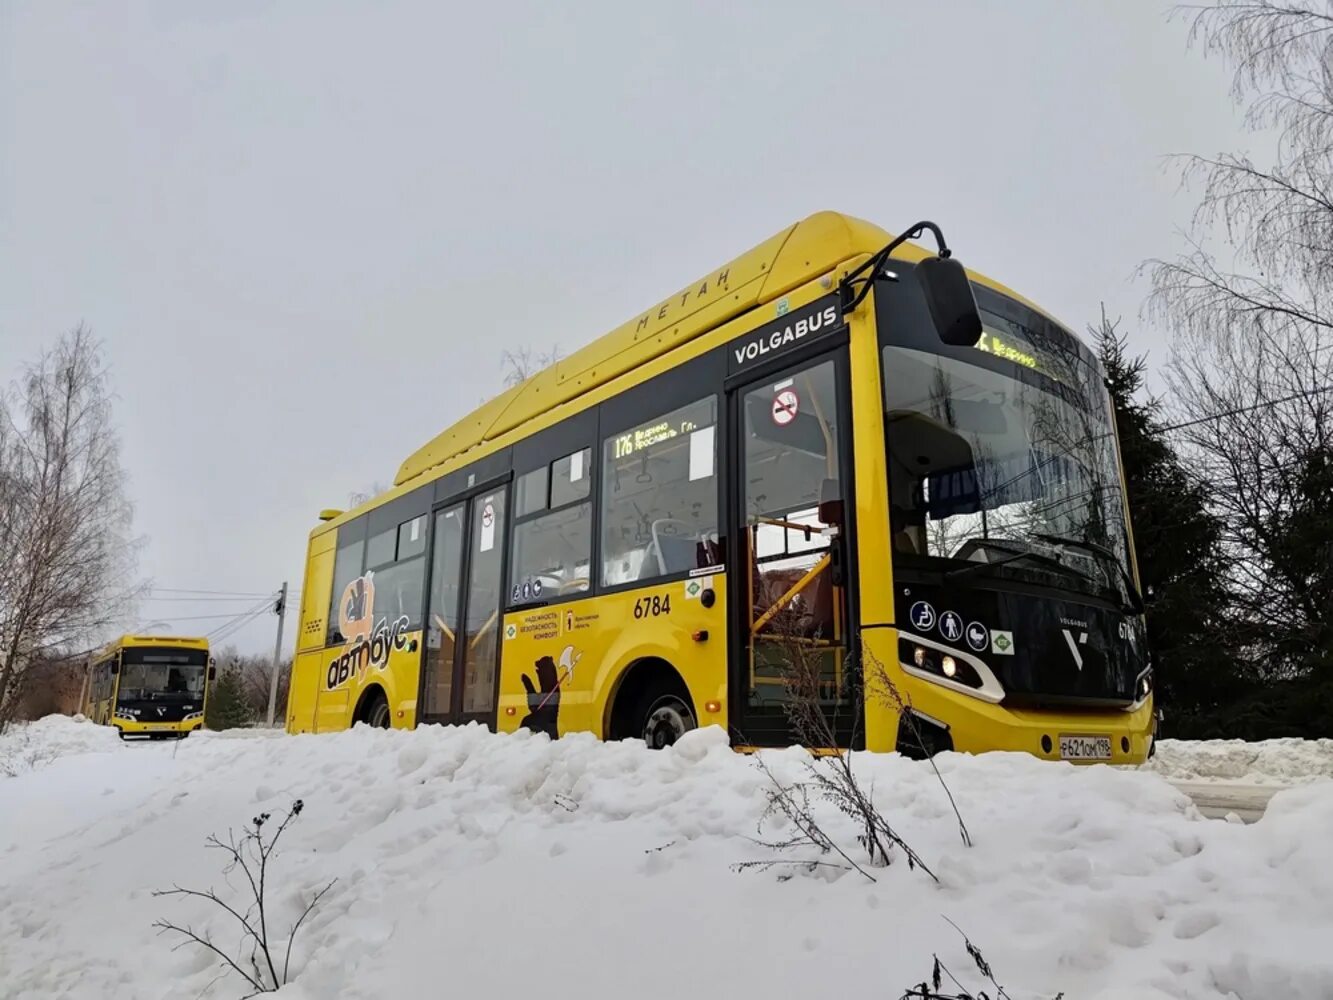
column 127, row 641
column 783, row 262
column 802, row 252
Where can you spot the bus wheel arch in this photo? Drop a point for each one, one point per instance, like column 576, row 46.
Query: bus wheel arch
column 651, row 702
column 372, row 708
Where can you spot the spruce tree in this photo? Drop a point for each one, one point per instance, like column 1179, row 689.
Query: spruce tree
column 226, row 702
column 1181, row 558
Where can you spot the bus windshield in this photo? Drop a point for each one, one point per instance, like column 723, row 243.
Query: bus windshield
column 1002, row 458
column 161, row 674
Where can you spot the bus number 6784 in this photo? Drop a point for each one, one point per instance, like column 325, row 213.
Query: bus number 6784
column 651, row 607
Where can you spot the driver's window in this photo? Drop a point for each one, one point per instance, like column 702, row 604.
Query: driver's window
column 659, row 496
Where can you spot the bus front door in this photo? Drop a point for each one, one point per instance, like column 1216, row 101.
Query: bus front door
column 792, row 679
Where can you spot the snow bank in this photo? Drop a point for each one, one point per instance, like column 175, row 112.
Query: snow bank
column 26, row 746
column 512, row 866
column 1266, row 762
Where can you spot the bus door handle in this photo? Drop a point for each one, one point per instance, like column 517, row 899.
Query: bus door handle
column 837, row 560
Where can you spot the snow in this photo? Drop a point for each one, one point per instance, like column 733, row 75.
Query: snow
column 1265, row 762
column 513, row 866
column 28, row 747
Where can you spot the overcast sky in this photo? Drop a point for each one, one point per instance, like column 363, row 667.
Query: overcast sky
column 307, row 230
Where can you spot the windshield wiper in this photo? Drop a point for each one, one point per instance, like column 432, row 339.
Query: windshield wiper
column 977, row 567
column 1135, row 598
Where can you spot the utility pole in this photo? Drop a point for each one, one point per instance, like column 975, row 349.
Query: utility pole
column 281, row 609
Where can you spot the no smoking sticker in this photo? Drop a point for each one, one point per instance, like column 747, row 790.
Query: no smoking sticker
column 487, row 540
column 786, row 405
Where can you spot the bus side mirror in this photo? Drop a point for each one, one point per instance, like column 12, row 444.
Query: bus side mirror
column 953, row 307
column 115, row 669
column 212, row 672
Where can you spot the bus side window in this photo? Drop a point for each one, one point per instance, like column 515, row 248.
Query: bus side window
column 659, row 496
column 397, row 558
column 553, row 537
column 346, row 568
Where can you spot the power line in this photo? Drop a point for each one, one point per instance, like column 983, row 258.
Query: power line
column 242, row 619
column 1305, row 394
column 216, row 593
column 225, row 632
column 264, row 602
column 206, row 600
column 197, row 618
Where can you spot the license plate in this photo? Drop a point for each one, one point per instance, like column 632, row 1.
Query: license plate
column 158, row 726
column 1085, row 748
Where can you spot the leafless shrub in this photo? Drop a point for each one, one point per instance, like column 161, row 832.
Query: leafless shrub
column 884, row 692
column 830, row 775
column 939, row 973
column 256, row 958
column 65, row 520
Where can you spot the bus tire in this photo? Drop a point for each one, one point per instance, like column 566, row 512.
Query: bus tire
column 375, row 710
column 665, row 715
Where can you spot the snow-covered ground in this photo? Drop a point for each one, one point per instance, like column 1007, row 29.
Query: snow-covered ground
column 1266, row 762
column 469, row 864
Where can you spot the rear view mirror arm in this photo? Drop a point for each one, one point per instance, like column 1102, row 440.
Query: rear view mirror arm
column 855, row 288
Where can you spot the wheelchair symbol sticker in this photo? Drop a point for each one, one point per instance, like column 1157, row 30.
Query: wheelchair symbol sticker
column 922, row 616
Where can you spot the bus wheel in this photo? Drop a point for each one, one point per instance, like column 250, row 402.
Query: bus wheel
column 376, row 713
column 666, row 717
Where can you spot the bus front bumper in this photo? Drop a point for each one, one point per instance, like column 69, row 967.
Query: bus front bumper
column 135, row 727
column 974, row 726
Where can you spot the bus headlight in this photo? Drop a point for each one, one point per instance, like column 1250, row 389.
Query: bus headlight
column 941, row 664
column 1143, row 689
column 125, row 717
column 194, row 715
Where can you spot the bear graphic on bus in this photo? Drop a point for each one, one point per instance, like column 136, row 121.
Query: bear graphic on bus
column 544, row 697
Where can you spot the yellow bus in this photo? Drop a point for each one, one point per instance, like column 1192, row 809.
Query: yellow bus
column 149, row 685
column 837, row 439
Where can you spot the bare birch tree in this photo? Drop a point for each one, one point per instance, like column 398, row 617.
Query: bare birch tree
column 1262, row 439
column 66, row 552
column 1252, row 304
column 521, row 364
